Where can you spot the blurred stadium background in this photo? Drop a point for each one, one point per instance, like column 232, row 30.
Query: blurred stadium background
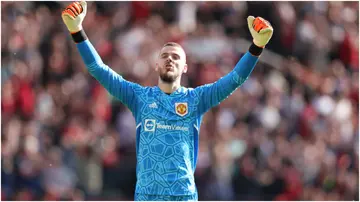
column 290, row 133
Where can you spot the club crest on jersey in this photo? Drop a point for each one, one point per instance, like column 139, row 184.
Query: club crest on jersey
column 181, row 108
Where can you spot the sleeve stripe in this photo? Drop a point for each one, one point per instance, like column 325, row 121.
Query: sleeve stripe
column 196, row 127
column 138, row 126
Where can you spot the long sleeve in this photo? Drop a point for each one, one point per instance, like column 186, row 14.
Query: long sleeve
column 212, row 94
column 115, row 84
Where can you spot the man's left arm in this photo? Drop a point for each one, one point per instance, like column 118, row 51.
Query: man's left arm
column 211, row 95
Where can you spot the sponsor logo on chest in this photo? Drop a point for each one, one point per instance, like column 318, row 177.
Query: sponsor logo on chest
column 151, row 124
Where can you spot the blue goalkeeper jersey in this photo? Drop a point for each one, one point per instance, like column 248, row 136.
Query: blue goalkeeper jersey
column 167, row 126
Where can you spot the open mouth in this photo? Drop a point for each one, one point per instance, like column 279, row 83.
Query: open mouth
column 169, row 67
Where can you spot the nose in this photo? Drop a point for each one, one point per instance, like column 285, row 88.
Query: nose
column 168, row 60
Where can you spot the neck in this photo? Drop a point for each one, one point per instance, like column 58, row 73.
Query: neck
column 169, row 87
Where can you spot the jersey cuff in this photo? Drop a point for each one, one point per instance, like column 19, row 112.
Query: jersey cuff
column 79, row 36
column 255, row 50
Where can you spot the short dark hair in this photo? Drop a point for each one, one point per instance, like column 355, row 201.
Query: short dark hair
column 172, row 44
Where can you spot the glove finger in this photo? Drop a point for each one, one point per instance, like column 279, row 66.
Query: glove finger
column 78, row 8
column 67, row 16
column 260, row 19
column 250, row 20
column 83, row 5
column 73, row 9
column 68, row 13
column 259, row 26
column 266, row 30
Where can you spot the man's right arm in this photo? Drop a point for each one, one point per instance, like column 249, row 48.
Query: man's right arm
column 115, row 84
column 73, row 16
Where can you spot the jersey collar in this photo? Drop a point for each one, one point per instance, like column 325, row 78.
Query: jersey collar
column 178, row 91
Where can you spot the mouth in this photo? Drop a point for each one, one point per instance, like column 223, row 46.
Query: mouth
column 169, row 67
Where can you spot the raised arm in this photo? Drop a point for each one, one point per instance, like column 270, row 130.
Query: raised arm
column 211, row 95
column 115, row 84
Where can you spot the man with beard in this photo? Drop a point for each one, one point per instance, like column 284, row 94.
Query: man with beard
column 168, row 116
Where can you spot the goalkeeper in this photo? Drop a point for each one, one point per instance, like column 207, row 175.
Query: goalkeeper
column 168, row 116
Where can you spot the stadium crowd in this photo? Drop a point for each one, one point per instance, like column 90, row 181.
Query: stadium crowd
column 289, row 133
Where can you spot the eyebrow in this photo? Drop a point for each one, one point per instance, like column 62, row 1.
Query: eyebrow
column 162, row 54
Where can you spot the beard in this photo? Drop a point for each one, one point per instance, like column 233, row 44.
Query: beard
column 168, row 78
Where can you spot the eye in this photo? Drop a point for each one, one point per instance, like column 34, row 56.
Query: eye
column 176, row 56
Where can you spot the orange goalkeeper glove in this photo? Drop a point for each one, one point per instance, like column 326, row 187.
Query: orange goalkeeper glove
column 73, row 16
column 260, row 29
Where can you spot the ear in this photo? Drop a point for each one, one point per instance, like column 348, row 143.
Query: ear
column 157, row 67
column 185, row 68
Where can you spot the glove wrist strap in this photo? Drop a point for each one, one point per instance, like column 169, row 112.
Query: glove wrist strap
column 255, row 50
column 79, row 36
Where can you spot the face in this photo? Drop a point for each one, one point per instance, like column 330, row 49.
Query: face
column 171, row 63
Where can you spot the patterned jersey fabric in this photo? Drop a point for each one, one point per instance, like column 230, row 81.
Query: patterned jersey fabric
column 145, row 197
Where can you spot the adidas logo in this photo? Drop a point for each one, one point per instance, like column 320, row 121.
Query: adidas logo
column 153, row 105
